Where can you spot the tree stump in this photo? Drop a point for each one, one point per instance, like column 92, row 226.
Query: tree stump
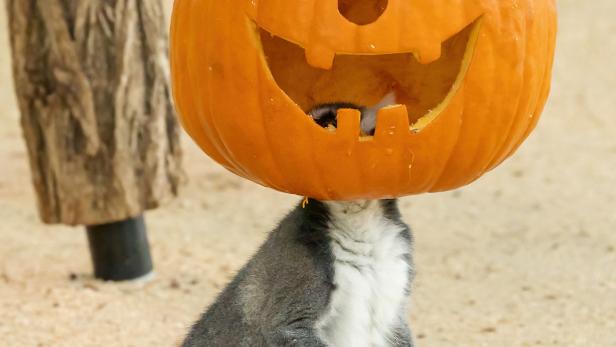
column 92, row 82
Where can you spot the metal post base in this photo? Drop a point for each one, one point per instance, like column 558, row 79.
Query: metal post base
column 120, row 251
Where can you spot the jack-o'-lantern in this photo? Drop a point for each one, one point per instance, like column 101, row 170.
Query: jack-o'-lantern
column 469, row 79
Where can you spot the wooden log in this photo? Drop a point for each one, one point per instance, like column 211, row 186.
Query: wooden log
column 92, row 82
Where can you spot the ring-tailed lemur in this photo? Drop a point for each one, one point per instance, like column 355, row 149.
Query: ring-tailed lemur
column 331, row 274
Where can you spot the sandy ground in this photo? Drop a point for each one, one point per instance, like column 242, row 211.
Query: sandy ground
column 524, row 257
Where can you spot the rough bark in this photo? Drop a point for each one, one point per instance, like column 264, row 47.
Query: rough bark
column 92, row 83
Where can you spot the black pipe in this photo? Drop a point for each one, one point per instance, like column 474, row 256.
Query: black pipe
column 120, row 250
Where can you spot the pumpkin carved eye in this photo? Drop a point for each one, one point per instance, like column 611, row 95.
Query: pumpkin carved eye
column 362, row 12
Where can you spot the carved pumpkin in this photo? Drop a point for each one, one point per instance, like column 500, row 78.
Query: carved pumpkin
column 470, row 79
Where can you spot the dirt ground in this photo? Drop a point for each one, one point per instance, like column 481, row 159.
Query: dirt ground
column 524, row 257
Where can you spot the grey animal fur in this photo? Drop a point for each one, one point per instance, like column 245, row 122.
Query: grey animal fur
column 280, row 294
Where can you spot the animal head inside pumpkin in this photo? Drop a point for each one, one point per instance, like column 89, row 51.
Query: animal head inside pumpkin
column 470, row 79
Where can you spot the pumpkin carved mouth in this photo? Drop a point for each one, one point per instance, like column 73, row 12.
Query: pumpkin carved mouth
column 424, row 88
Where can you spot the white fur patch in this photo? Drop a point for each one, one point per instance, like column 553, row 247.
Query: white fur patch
column 371, row 276
column 368, row 120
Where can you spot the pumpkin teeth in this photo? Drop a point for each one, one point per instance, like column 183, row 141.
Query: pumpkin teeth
column 428, row 54
column 320, row 57
column 370, row 114
column 348, row 123
column 392, row 121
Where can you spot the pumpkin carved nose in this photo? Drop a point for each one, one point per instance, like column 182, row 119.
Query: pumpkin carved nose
column 362, row 12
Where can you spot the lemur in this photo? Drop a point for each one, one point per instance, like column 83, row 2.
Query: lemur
column 331, row 274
